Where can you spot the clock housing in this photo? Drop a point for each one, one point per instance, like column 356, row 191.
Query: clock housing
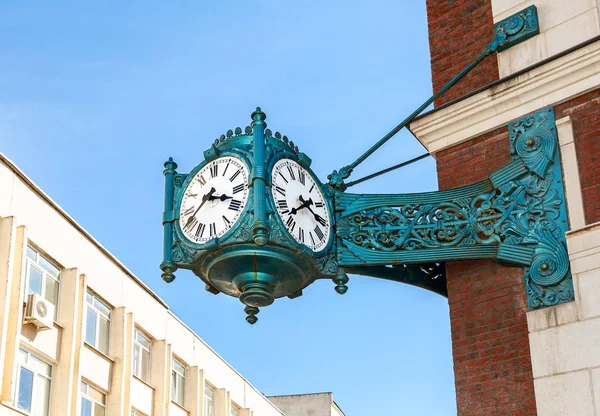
column 255, row 259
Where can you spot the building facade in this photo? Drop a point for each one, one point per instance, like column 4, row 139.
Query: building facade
column 508, row 359
column 81, row 335
column 317, row 404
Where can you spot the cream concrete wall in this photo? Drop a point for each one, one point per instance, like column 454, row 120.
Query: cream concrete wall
column 563, row 24
column 95, row 368
column 142, row 396
column 53, row 231
column 317, row 404
column 565, row 340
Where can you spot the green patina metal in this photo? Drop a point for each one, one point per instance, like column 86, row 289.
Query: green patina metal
column 517, row 217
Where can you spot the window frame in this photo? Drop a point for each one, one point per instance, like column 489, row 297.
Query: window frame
column 175, row 360
column 236, row 408
column 136, row 344
column 98, row 312
column 205, row 399
column 84, row 395
column 36, row 373
column 45, row 275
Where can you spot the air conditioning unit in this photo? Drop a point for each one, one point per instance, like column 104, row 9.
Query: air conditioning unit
column 39, row 312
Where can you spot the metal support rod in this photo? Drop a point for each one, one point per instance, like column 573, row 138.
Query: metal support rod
column 336, row 178
column 420, row 109
column 391, row 168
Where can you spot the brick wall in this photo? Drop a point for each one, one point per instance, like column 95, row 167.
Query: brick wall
column 585, row 115
column 459, row 30
column 488, row 305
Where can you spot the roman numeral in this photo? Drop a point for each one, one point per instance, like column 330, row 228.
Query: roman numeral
column 191, row 223
column 238, row 188
column 321, row 220
column 213, row 229
column 226, row 221
column 226, row 166
column 301, row 234
column 280, row 190
column 302, row 177
column 214, row 170
column 200, row 230
column 311, row 238
column 311, row 188
column 319, row 204
column 282, row 177
column 188, row 211
column 202, row 180
column 235, row 175
column 235, row 205
column 292, row 176
column 291, row 223
column 319, row 233
column 282, row 203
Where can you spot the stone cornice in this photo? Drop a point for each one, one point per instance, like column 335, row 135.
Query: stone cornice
column 566, row 77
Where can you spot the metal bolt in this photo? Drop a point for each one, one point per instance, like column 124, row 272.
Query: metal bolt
column 529, row 142
column 544, row 266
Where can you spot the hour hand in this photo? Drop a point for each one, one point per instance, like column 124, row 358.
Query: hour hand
column 221, row 198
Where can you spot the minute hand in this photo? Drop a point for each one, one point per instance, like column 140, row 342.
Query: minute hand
column 319, row 219
column 204, row 199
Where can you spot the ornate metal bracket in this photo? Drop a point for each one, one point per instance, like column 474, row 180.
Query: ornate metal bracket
column 516, row 28
column 517, row 216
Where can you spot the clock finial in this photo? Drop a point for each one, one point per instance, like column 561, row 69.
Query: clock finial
column 258, row 115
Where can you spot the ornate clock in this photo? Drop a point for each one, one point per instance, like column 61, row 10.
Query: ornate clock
column 213, row 199
column 253, row 222
column 300, row 204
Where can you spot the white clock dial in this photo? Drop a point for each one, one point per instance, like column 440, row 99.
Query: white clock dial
column 214, row 199
column 300, row 204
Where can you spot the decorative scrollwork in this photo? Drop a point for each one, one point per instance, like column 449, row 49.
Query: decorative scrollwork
column 328, row 264
column 524, row 217
column 516, row 28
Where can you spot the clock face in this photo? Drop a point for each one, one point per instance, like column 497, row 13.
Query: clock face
column 300, row 204
column 214, row 199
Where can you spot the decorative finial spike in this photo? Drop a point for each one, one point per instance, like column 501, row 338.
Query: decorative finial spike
column 251, row 311
column 258, row 115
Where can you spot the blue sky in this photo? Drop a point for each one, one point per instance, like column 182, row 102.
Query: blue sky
column 94, row 97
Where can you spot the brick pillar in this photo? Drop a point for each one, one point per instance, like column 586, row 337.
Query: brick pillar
column 488, row 304
column 459, row 30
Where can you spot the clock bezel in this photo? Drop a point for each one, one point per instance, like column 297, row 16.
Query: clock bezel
column 179, row 195
column 328, row 201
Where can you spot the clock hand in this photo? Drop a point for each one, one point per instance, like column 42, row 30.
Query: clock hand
column 304, row 204
column 318, row 218
column 222, row 197
column 205, row 198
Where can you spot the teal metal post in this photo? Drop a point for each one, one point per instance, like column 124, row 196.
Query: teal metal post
column 167, row 266
column 260, row 229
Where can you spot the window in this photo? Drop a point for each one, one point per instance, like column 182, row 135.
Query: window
column 33, row 384
column 43, row 277
column 141, row 356
column 92, row 401
column 235, row 410
column 209, row 404
column 177, row 382
column 97, row 322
